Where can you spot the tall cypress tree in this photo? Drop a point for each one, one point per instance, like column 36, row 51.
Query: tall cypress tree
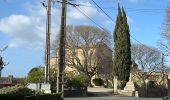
column 122, row 53
column 117, row 51
column 126, row 47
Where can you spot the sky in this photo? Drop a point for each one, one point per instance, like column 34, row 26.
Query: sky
column 22, row 26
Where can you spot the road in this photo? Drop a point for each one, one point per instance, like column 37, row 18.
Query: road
column 112, row 98
column 106, row 94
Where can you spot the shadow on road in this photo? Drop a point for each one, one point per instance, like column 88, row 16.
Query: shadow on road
column 94, row 94
column 99, row 94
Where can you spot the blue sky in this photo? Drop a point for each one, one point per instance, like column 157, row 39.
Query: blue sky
column 22, row 27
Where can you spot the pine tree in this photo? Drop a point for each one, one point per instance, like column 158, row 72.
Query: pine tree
column 122, row 53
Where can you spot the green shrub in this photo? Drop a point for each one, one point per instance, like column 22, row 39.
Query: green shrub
column 110, row 85
column 18, row 89
column 30, row 97
column 19, row 92
column 12, row 97
column 122, row 84
column 98, row 81
column 76, row 81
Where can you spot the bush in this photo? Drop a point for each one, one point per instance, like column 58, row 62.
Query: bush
column 18, row 89
column 98, row 81
column 110, row 85
column 33, row 97
column 122, row 84
column 19, row 92
column 76, row 81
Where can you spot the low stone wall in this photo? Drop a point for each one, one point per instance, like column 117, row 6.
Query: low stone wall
column 128, row 93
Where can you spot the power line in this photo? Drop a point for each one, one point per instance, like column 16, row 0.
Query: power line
column 102, row 10
column 136, row 40
column 135, row 10
column 113, row 21
column 83, row 12
column 110, row 17
column 110, row 7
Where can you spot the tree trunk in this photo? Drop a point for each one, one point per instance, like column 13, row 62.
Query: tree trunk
column 90, row 85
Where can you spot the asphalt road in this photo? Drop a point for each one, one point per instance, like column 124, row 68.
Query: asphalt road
column 106, row 94
column 112, row 98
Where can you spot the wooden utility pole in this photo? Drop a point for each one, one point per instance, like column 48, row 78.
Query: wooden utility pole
column 47, row 49
column 61, row 59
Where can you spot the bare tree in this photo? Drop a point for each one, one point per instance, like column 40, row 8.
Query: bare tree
column 2, row 64
column 165, row 40
column 85, row 45
column 148, row 60
column 83, row 49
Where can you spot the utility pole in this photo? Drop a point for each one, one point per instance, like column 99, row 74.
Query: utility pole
column 61, row 59
column 47, row 49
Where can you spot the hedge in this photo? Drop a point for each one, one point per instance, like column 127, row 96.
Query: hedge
column 17, row 89
column 33, row 97
column 76, row 81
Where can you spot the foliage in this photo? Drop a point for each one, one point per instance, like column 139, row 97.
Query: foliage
column 98, row 81
column 122, row 53
column 110, row 84
column 30, row 97
column 1, row 63
column 122, row 84
column 19, row 81
column 53, row 79
column 36, row 75
column 76, row 81
column 18, row 89
column 19, row 92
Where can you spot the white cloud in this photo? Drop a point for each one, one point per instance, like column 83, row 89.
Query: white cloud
column 22, row 29
column 76, row 15
column 28, row 30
